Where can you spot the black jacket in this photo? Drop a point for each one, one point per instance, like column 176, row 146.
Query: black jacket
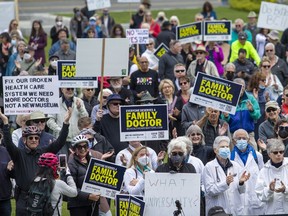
column 6, row 186
column 25, row 160
column 168, row 167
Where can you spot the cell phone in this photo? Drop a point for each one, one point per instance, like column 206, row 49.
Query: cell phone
column 62, row 161
column 278, row 184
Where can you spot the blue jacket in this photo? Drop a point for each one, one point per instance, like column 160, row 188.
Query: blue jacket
column 56, row 46
column 10, row 65
column 45, row 139
column 243, row 118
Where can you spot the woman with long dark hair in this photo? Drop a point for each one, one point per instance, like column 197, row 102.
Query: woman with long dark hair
column 38, row 40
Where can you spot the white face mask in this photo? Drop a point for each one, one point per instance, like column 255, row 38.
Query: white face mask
column 53, row 64
column 58, row 23
column 144, row 160
column 26, row 56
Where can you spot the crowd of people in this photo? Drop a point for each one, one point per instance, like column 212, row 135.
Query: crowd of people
column 241, row 158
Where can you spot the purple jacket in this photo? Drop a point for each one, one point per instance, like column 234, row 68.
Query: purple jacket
column 218, row 58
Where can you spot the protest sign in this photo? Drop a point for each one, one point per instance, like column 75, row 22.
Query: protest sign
column 135, row 207
column 122, row 203
column 221, row 94
column 128, row 1
column 161, row 50
column 66, row 70
column 89, row 57
column 273, row 16
column 163, row 189
column 217, row 30
column 104, row 178
column 25, row 94
column 98, row 4
column 137, row 36
column 7, row 13
column 189, row 32
column 143, row 122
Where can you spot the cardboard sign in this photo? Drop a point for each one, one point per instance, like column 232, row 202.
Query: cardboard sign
column 25, row 94
column 217, row 30
column 161, row 50
column 189, row 32
column 144, row 122
column 163, row 189
column 135, row 207
column 98, row 4
column 128, row 1
column 89, row 57
column 7, row 13
column 273, row 16
column 137, row 36
column 221, row 94
column 104, row 178
column 66, row 70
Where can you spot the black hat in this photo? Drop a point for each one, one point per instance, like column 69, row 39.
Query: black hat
column 53, row 56
column 114, row 97
column 217, row 211
column 242, row 35
column 166, row 24
column 146, row 97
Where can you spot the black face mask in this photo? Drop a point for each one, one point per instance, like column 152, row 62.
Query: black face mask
column 283, row 132
column 141, row 11
column 176, row 160
column 161, row 19
column 230, row 76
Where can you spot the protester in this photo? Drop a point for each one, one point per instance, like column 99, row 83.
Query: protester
column 216, row 55
column 154, row 29
column 54, row 31
column 53, row 65
column 239, row 27
column 61, row 35
column 117, row 87
column 25, row 172
column 166, row 34
column 252, row 26
column 77, row 24
column 208, row 12
column 107, row 22
column 149, row 54
column 137, row 18
column 89, row 99
column 14, row 26
column 21, row 122
column 5, row 51
column 280, row 49
column 224, row 180
column 11, row 68
column 65, row 52
column 118, row 31
column 174, row 21
column 261, row 40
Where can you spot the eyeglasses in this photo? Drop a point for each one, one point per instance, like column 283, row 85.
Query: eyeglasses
column 144, row 62
column 195, row 134
column 237, row 25
column 277, row 152
column 116, row 104
column 79, row 147
column 37, row 121
column 230, row 71
column 33, row 138
column 89, row 89
column 183, row 83
column 271, row 109
column 15, row 24
column 199, row 53
column 263, row 80
column 179, row 71
column 149, row 44
column 269, row 50
column 104, row 97
column 177, row 153
column 266, row 66
column 283, row 128
column 70, row 89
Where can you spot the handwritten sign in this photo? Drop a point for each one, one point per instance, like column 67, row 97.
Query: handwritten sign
column 137, row 36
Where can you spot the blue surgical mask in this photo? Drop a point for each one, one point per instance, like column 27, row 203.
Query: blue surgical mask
column 13, row 42
column 241, row 144
column 92, row 22
column 261, row 87
column 224, row 153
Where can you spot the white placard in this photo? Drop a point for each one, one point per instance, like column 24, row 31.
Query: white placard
column 98, row 4
column 89, row 57
column 128, row 1
column 273, row 16
column 25, row 94
column 7, row 13
column 163, row 189
column 137, row 36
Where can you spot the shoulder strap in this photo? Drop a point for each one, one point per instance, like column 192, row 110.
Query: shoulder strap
column 130, row 150
column 56, row 206
column 30, row 65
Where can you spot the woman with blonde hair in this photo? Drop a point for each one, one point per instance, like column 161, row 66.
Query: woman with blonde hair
column 134, row 177
column 154, row 26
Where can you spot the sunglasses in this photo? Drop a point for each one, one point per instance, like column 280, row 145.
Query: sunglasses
column 283, row 128
column 237, row 25
column 263, row 80
column 177, row 153
column 199, row 53
column 116, row 104
column 183, row 83
column 89, row 89
column 277, row 152
column 271, row 109
column 230, row 71
column 179, row 71
column 269, row 50
column 149, row 44
column 37, row 121
column 33, row 138
column 195, row 134
column 70, row 89
column 266, row 66
column 79, row 147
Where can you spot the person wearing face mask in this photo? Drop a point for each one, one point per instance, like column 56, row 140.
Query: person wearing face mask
column 252, row 162
column 229, row 73
column 134, row 176
column 54, row 30
column 107, row 22
column 137, row 18
column 224, row 180
column 94, row 25
column 177, row 155
column 53, row 64
column 77, row 24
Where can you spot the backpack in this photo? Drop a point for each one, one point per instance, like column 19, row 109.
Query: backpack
column 39, row 199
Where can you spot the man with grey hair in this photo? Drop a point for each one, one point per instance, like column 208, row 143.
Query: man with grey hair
column 239, row 27
column 272, row 180
column 229, row 73
column 251, row 161
column 278, row 65
column 247, row 112
column 224, row 179
column 177, row 152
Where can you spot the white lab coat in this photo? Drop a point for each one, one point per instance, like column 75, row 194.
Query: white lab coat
column 275, row 203
column 218, row 193
column 252, row 205
column 197, row 163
